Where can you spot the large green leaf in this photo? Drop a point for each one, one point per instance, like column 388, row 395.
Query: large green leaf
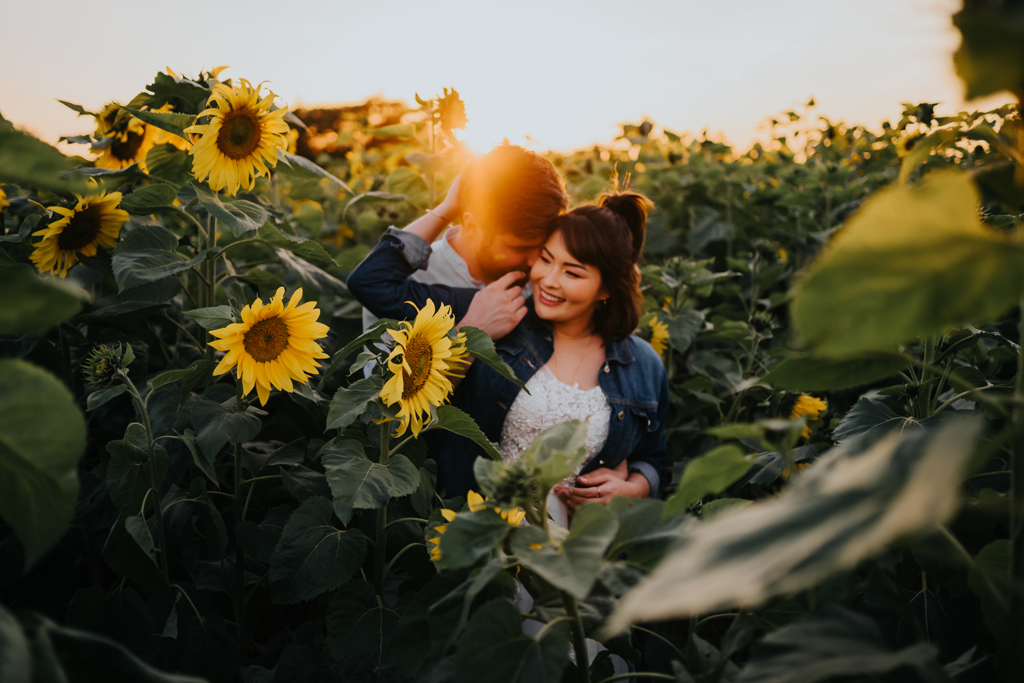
column 172, row 122
column 216, row 424
column 845, row 509
column 372, row 334
column 573, row 564
column 148, row 253
column 683, row 328
column 168, row 163
column 357, row 483
column 310, row 275
column 712, row 472
column 836, row 643
column 29, row 162
column 301, row 167
column 42, row 436
column 359, row 629
column 495, row 649
column 458, row 422
column 128, row 475
column 351, row 402
column 481, row 347
column 470, row 536
column 313, row 556
column 831, row 374
column 307, row 249
column 989, row 578
column 910, row 263
column 991, row 54
column 166, row 89
column 123, row 554
column 212, row 318
column 407, row 182
column 150, row 199
column 33, row 304
column 238, row 215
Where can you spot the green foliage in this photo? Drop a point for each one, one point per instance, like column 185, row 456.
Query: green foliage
column 710, row 473
column 41, row 302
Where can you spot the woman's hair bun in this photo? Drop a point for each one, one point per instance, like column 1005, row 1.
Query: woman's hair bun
column 632, row 208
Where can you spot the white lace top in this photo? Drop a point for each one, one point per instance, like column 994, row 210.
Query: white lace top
column 551, row 402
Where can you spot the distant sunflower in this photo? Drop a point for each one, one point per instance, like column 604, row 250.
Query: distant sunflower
column 129, row 146
column 3, row 200
column 241, row 139
column 273, row 345
column 452, row 110
column 422, row 359
column 95, row 222
column 106, row 118
column 659, row 336
column 811, row 407
column 474, row 502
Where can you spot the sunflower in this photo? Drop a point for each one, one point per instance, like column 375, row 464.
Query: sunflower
column 273, row 345
column 475, row 502
column 95, row 221
column 422, row 359
column 106, row 118
column 452, row 110
column 659, row 336
column 241, row 138
column 809, row 406
column 129, row 146
column 3, row 200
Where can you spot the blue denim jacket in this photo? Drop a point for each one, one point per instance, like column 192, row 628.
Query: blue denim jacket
column 632, row 377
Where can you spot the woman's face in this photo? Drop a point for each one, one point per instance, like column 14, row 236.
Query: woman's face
column 563, row 288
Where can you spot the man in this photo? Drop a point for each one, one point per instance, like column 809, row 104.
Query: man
column 505, row 201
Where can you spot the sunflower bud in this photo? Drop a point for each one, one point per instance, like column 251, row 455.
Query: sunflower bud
column 101, row 366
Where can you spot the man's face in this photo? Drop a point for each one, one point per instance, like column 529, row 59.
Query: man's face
column 500, row 253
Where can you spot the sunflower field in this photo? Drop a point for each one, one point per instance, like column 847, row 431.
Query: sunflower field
column 200, row 480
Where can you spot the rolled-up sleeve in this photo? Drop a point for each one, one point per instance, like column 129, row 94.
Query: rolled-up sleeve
column 651, row 455
column 382, row 282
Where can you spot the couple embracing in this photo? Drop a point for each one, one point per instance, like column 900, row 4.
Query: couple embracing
column 559, row 292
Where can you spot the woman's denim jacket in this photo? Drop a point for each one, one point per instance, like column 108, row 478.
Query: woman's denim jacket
column 632, row 377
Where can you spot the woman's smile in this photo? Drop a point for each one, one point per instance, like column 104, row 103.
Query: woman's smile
column 549, row 299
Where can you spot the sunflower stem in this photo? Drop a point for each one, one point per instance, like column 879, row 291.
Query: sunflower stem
column 379, row 547
column 210, row 266
column 1017, row 504
column 239, row 511
column 143, row 410
column 579, row 640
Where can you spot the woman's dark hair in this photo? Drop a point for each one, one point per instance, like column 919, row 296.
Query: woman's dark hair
column 609, row 235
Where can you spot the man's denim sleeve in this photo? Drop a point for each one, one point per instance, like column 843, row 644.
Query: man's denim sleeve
column 382, row 281
column 649, row 473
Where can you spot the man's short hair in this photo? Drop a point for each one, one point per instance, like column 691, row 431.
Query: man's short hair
column 513, row 190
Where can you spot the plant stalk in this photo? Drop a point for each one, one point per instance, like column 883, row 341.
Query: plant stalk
column 579, row 640
column 239, row 511
column 161, row 539
column 1016, row 643
column 380, row 545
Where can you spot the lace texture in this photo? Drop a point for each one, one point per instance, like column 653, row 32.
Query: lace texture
column 550, row 402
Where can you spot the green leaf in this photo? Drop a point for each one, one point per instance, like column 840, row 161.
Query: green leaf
column 212, row 318
column 573, row 564
column 301, row 167
column 924, row 148
column 129, row 356
column 470, row 536
column 196, row 375
column 991, row 55
column 148, row 253
column 866, row 414
column 307, row 249
column 351, row 402
column 829, row 374
column 204, row 464
column 34, row 304
column 172, row 122
column 77, row 108
column 101, row 396
column 495, row 649
column 836, row 643
column 481, row 346
column 168, row 163
column 216, row 425
column 167, row 88
column 683, row 328
column 28, row 162
column 150, row 199
column 128, row 474
column 313, row 556
column 897, row 271
column 356, row 482
column 989, row 578
column 265, row 282
column 456, row 421
column 723, row 505
column 405, row 475
column 410, row 184
column 712, row 472
column 239, row 215
column 125, row 557
column 359, row 630
column 403, row 131
column 139, row 531
column 845, row 509
column 38, row 463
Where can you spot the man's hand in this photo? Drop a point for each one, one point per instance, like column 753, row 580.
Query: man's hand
column 450, row 208
column 497, row 308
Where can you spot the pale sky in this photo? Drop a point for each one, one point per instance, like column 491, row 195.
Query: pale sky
column 564, row 73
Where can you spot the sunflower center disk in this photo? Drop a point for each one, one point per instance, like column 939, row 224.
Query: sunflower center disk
column 81, row 229
column 266, row 340
column 239, row 134
column 419, row 355
column 127, row 150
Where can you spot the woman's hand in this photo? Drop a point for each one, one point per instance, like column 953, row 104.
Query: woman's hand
column 602, row 485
